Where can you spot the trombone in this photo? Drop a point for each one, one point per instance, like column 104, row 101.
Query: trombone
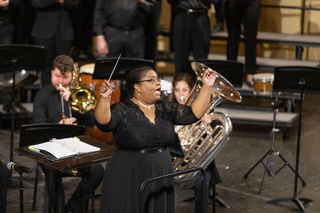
column 80, row 99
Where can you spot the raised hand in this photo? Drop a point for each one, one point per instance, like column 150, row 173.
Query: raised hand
column 105, row 89
column 209, row 78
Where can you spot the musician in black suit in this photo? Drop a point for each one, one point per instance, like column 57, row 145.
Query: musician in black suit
column 191, row 31
column 53, row 29
column 4, row 182
column 246, row 12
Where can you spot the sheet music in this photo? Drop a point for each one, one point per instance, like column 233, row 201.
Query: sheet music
column 76, row 145
column 55, row 149
column 67, row 147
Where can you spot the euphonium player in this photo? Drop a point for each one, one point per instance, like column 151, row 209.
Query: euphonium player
column 182, row 85
column 142, row 130
column 47, row 108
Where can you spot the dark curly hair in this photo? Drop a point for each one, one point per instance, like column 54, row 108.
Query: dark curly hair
column 182, row 77
column 134, row 77
column 64, row 63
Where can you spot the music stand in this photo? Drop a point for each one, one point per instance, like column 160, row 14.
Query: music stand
column 231, row 70
column 300, row 80
column 17, row 57
column 104, row 66
column 31, row 134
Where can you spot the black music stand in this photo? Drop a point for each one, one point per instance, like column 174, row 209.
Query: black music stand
column 17, row 57
column 31, row 134
column 231, row 70
column 104, row 66
column 300, row 80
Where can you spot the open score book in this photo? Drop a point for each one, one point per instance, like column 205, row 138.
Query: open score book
column 63, row 148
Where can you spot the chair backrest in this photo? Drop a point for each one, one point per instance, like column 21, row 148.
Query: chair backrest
column 230, row 70
column 38, row 133
column 287, row 79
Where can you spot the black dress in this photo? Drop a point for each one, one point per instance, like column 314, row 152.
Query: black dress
column 128, row 168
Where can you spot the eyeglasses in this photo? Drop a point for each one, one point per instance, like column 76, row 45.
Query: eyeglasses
column 152, row 80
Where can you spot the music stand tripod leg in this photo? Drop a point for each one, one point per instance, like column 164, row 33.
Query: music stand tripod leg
column 264, row 174
column 292, row 169
column 260, row 161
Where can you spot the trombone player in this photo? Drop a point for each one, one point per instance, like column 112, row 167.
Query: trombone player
column 47, row 108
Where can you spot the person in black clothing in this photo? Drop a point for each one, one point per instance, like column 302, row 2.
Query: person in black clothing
column 248, row 13
column 83, row 26
column 6, row 20
column 143, row 129
column 219, row 8
column 4, row 183
column 191, row 31
column 47, row 109
column 53, row 29
column 24, row 16
column 182, row 85
column 7, row 8
column 124, row 32
column 151, row 32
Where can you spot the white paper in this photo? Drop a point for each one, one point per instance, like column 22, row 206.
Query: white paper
column 67, row 147
column 76, row 146
column 55, row 149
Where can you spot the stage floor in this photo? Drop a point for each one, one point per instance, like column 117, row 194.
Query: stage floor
column 246, row 146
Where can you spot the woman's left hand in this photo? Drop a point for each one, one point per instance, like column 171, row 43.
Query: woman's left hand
column 209, row 77
column 206, row 119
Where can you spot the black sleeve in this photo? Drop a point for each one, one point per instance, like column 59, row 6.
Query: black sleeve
column 115, row 119
column 40, row 109
column 99, row 16
column 182, row 114
column 86, row 119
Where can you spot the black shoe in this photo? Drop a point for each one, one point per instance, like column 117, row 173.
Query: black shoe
column 88, row 52
column 218, row 27
column 250, row 84
column 76, row 52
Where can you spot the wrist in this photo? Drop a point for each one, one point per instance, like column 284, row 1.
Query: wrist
column 106, row 99
column 100, row 37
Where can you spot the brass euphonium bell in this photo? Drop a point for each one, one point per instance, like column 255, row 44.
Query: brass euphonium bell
column 81, row 99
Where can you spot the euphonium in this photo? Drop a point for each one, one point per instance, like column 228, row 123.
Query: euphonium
column 81, row 99
column 200, row 142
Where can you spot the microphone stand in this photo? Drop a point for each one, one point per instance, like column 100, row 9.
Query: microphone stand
column 21, row 191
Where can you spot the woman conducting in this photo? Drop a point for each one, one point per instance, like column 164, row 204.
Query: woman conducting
column 182, row 86
column 143, row 128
